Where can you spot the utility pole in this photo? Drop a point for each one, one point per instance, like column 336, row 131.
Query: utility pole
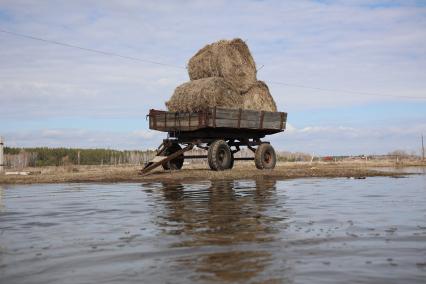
column 423, row 150
column 1, row 155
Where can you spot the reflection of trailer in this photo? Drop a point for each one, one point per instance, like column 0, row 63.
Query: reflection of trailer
column 219, row 131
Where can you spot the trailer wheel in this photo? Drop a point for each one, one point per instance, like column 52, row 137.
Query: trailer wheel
column 219, row 156
column 265, row 157
column 232, row 161
column 176, row 163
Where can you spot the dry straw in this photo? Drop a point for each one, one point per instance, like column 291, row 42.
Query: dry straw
column 223, row 74
column 204, row 93
column 258, row 97
column 229, row 59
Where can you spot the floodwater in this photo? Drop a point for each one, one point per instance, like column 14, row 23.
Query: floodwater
column 242, row 231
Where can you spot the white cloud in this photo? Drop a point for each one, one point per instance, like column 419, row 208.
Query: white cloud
column 343, row 140
column 290, row 128
column 146, row 134
column 321, row 140
column 340, row 45
column 142, row 139
column 301, row 42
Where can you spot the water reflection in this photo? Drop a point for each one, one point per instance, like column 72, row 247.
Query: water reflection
column 226, row 214
column 1, row 198
column 249, row 231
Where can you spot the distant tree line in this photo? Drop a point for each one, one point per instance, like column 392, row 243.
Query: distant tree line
column 44, row 156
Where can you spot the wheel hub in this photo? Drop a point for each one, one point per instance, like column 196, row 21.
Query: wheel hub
column 221, row 156
column 267, row 157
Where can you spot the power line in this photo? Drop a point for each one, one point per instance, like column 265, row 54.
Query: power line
column 346, row 91
column 107, row 53
column 89, row 49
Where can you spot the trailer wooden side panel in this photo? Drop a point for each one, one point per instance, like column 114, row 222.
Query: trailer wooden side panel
column 217, row 118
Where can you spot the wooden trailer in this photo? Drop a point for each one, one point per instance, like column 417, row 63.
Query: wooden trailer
column 222, row 132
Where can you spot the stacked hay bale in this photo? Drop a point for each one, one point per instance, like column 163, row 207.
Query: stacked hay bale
column 222, row 74
column 258, row 97
column 230, row 60
column 204, row 93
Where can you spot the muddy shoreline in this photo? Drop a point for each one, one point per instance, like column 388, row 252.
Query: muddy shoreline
column 110, row 174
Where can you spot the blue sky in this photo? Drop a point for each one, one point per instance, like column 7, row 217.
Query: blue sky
column 56, row 96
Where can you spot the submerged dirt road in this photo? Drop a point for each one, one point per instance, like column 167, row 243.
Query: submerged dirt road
column 199, row 172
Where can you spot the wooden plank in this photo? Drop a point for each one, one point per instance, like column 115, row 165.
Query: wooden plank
column 181, row 128
column 226, row 123
column 230, row 123
column 272, row 125
column 169, row 120
column 179, row 121
column 206, row 119
column 272, row 116
column 216, row 117
column 251, row 115
column 232, row 114
column 247, row 115
column 267, row 117
column 227, row 113
column 157, row 159
column 250, row 124
column 194, row 121
column 154, row 121
column 152, row 165
column 185, row 128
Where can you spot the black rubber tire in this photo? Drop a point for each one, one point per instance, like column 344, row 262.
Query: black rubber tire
column 176, row 163
column 232, row 161
column 265, row 157
column 219, row 156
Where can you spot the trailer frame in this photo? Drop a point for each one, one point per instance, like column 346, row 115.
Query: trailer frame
column 232, row 129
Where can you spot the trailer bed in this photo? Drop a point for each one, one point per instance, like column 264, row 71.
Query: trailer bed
column 215, row 122
column 222, row 132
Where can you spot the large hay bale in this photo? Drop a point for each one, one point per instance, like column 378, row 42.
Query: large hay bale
column 258, row 97
column 229, row 59
column 204, row 93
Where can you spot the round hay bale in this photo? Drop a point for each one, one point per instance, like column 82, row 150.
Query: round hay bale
column 202, row 94
column 229, row 59
column 258, row 97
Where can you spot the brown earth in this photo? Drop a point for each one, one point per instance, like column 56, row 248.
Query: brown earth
column 242, row 170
